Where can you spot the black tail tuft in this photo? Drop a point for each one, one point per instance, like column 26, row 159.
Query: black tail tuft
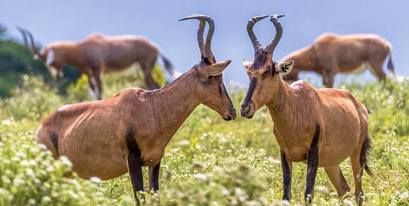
column 366, row 146
column 168, row 65
column 390, row 65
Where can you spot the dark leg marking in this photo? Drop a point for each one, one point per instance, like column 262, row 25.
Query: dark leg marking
column 154, row 177
column 54, row 140
column 134, row 163
column 286, row 177
column 313, row 157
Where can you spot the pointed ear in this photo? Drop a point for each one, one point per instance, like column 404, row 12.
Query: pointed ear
column 284, row 67
column 216, row 68
column 247, row 64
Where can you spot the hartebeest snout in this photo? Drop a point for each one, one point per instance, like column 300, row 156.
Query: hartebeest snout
column 107, row 138
column 99, row 54
column 332, row 53
column 321, row 127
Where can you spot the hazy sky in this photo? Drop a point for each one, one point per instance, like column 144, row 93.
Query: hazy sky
column 51, row 20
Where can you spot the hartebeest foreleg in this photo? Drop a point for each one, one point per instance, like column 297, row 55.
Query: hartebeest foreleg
column 135, row 163
column 286, row 166
column 328, row 78
column 312, row 166
column 95, row 85
column 154, row 177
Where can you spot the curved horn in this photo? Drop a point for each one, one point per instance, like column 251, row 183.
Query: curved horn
column 205, row 48
column 253, row 38
column 22, row 32
column 33, row 48
column 279, row 32
column 200, row 31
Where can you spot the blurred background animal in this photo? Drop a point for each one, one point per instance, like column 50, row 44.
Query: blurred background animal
column 332, row 53
column 99, row 54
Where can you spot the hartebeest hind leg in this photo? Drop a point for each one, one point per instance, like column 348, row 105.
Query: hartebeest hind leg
column 338, row 180
column 147, row 69
column 376, row 69
column 154, row 177
column 357, row 171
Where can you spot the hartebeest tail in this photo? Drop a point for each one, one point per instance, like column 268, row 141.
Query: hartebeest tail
column 99, row 54
column 366, row 146
column 169, row 66
column 107, row 138
column 390, row 65
column 320, row 127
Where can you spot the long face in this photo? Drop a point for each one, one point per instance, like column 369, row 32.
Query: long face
column 264, row 84
column 47, row 56
column 212, row 91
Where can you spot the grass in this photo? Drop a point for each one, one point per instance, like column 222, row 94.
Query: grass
column 208, row 162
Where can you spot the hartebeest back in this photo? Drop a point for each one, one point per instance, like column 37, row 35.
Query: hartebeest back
column 131, row 129
column 99, row 54
column 321, row 127
column 332, row 53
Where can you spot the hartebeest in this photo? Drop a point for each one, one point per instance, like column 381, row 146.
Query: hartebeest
column 332, row 53
column 99, row 54
column 321, row 127
column 109, row 137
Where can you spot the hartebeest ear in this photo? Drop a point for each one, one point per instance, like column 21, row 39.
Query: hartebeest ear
column 284, row 67
column 216, row 68
column 247, row 64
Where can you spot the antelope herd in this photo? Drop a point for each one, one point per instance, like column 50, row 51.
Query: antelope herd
column 123, row 133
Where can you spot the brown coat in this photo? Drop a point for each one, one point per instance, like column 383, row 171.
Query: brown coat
column 332, row 53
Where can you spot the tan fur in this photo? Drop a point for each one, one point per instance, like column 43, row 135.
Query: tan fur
column 332, row 53
column 99, row 54
column 92, row 134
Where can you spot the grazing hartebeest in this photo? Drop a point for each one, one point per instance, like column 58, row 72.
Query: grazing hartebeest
column 332, row 53
column 97, row 54
column 131, row 129
column 321, row 127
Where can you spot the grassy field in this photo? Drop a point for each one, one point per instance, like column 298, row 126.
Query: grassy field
column 208, row 162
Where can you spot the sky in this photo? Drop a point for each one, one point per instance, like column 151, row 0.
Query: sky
column 51, row 20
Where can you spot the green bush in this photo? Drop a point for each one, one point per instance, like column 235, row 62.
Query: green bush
column 30, row 176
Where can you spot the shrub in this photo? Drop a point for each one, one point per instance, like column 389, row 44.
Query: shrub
column 30, row 176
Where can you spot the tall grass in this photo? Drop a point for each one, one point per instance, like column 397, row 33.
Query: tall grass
column 208, row 162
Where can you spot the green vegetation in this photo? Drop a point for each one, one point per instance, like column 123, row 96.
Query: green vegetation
column 208, row 162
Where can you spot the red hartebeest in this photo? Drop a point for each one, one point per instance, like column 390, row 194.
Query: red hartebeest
column 332, row 53
column 97, row 54
column 107, row 138
column 320, row 127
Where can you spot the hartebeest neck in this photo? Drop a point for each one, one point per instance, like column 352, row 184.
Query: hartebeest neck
column 175, row 102
column 305, row 59
column 283, row 106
